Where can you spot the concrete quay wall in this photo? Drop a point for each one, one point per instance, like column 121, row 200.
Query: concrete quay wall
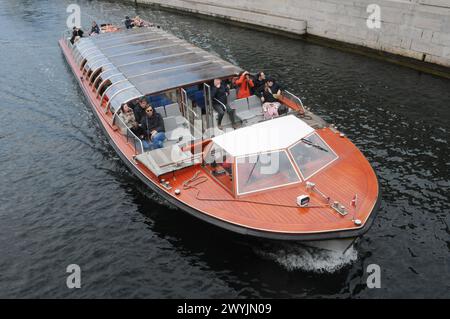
column 418, row 29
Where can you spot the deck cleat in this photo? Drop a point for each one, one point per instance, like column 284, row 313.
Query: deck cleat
column 339, row 208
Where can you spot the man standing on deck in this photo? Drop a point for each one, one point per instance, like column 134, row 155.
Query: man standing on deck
column 219, row 94
column 153, row 127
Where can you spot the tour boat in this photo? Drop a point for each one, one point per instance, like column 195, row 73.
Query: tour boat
column 290, row 178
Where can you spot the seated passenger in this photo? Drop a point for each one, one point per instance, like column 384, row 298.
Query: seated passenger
column 77, row 33
column 128, row 118
column 139, row 111
column 94, row 29
column 153, row 129
column 128, row 23
column 259, row 82
column 219, row 93
column 269, row 97
column 244, row 84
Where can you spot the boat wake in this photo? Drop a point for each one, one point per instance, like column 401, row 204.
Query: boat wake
column 298, row 257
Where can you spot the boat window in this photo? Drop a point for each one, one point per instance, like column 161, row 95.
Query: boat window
column 82, row 45
column 311, row 154
column 107, row 82
column 264, row 171
column 86, row 56
column 95, row 63
column 124, row 97
column 116, row 87
column 99, row 71
column 110, row 70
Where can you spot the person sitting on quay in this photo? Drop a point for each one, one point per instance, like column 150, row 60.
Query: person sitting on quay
column 127, row 115
column 77, row 33
column 128, row 23
column 153, row 127
column 138, row 22
column 244, row 84
column 95, row 29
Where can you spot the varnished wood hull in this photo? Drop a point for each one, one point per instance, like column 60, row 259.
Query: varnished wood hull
column 246, row 219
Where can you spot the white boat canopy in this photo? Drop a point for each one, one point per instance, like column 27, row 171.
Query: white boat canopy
column 263, row 137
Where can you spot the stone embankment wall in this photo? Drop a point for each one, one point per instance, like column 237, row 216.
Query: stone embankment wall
column 419, row 29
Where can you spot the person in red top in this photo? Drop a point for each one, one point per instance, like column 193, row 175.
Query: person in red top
column 244, row 84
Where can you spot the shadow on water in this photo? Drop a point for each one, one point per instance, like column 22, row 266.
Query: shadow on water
column 253, row 267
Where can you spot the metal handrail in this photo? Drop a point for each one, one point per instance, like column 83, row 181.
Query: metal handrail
column 66, row 37
column 193, row 112
column 208, row 106
column 131, row 132
column 296, row 98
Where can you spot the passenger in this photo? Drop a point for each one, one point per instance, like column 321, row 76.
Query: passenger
column 128, row 118
column 271, row 92
column 139, row 111
column 244, row 85
column 152, row 126
column 271, row 105
column 219, row 93
column 77, row 33
column 128, row 23
column 259, row 82
column 94, row 29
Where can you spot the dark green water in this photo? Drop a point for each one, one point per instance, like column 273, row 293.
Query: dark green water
column 67, row 198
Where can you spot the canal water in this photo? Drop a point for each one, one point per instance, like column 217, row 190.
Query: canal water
column 66, row 198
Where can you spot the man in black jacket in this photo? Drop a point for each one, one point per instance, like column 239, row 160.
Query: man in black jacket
column 271, row 91
column 94, row 28
column 128, row 23
column 219, row 93
column 270, row 95
column 76, row 34
column 259, row 84
column 139, row 110
column 152, row 125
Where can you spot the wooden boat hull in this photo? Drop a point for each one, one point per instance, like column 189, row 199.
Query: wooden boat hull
column 219, row 222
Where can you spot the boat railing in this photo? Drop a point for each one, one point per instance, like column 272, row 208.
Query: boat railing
column 130, row 136
column 294, row 99
column 66, row 35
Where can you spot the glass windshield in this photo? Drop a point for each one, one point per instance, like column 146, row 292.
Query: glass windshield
column 264, row 171
column 311, row 154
